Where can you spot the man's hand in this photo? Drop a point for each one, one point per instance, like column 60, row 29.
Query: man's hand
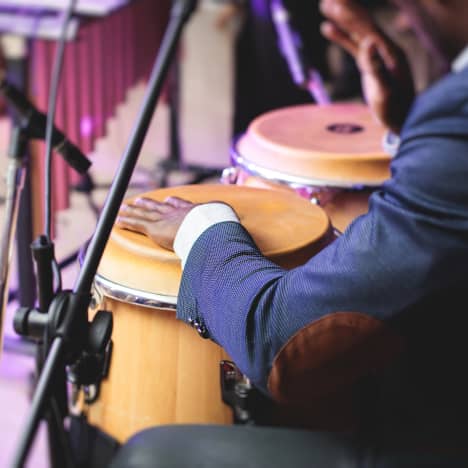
column 160, row 221
column 385, row 73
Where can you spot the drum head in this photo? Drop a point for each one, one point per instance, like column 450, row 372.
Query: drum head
column 337, row 145
column 287, row 229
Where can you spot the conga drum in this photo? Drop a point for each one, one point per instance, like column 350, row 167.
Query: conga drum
column 332, row 154
column 161, row 371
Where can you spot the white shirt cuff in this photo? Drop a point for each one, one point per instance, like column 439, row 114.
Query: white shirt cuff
column 198, row 220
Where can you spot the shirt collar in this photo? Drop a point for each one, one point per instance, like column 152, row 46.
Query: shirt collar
column 461, row 61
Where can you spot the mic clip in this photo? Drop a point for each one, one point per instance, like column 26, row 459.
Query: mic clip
column 34, row 123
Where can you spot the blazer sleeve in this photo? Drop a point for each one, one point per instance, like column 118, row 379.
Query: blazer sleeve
column 322, row 325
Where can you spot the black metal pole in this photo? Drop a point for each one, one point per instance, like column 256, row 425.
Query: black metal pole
column 175, row 155
column 174, row 161
column 180, row 13
column 40, row 397
column 17, row 74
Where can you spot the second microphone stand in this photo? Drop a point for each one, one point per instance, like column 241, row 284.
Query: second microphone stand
column 175, row 162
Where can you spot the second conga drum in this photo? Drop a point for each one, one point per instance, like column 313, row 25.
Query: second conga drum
column 331, row 153
column 161, row 371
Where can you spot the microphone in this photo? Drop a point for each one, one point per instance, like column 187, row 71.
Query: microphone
column 35, row 122
column 290, row 44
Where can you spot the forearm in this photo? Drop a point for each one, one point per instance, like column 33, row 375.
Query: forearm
column 265, row 316
column 226, row 283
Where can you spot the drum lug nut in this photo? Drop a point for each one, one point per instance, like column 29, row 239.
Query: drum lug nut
column 96, row 296
column 229, row 176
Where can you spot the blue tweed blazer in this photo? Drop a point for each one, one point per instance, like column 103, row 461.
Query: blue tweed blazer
column 387, row 298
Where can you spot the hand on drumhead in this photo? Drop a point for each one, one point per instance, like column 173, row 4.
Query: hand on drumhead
column 160, row 221
column 386, row 77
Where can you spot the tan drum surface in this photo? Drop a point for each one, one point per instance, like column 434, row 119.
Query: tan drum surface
column 161, row 371
column 341, row 206
column 337, row 143
column 287, row 229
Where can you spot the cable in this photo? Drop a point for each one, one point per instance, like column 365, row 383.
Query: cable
column 52, row 105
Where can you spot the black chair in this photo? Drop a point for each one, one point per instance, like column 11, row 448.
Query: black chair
column 188, row 446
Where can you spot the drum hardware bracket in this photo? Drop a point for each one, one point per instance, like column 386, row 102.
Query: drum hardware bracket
column 97, row 296
column 85, row 347
column 89, row 354
column 93, row 365
column 248, row 404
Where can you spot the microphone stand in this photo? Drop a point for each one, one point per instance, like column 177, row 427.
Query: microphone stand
column 32, row 124
column 43, row 256
column 22, row 131
column 15, row 177
column 43, row 252
column 175, row 162
column 16, row 71
column 68, row 337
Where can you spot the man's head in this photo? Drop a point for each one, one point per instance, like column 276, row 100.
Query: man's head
column 441, row 25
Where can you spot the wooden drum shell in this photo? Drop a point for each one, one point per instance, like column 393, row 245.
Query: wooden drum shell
column 161, row 371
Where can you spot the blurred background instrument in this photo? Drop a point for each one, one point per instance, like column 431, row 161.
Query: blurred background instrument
column 330, row 154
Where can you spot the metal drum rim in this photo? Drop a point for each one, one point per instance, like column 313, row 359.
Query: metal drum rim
column 134, row 296
column 289, row 179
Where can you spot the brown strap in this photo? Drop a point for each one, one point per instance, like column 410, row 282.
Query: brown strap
column 329, row 354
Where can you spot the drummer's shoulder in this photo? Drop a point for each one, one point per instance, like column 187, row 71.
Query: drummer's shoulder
column 454, row 82
column 445, row 98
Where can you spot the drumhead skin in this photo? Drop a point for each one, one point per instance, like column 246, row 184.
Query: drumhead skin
column 287, row 229
column 338, row 145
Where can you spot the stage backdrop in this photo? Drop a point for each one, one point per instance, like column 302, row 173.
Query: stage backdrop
column 109, row 55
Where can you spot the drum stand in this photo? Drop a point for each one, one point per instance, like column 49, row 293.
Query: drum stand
column 175, row 163
column 69, row 339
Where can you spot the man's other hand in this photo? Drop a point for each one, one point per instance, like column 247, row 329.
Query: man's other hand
column 385, row 73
